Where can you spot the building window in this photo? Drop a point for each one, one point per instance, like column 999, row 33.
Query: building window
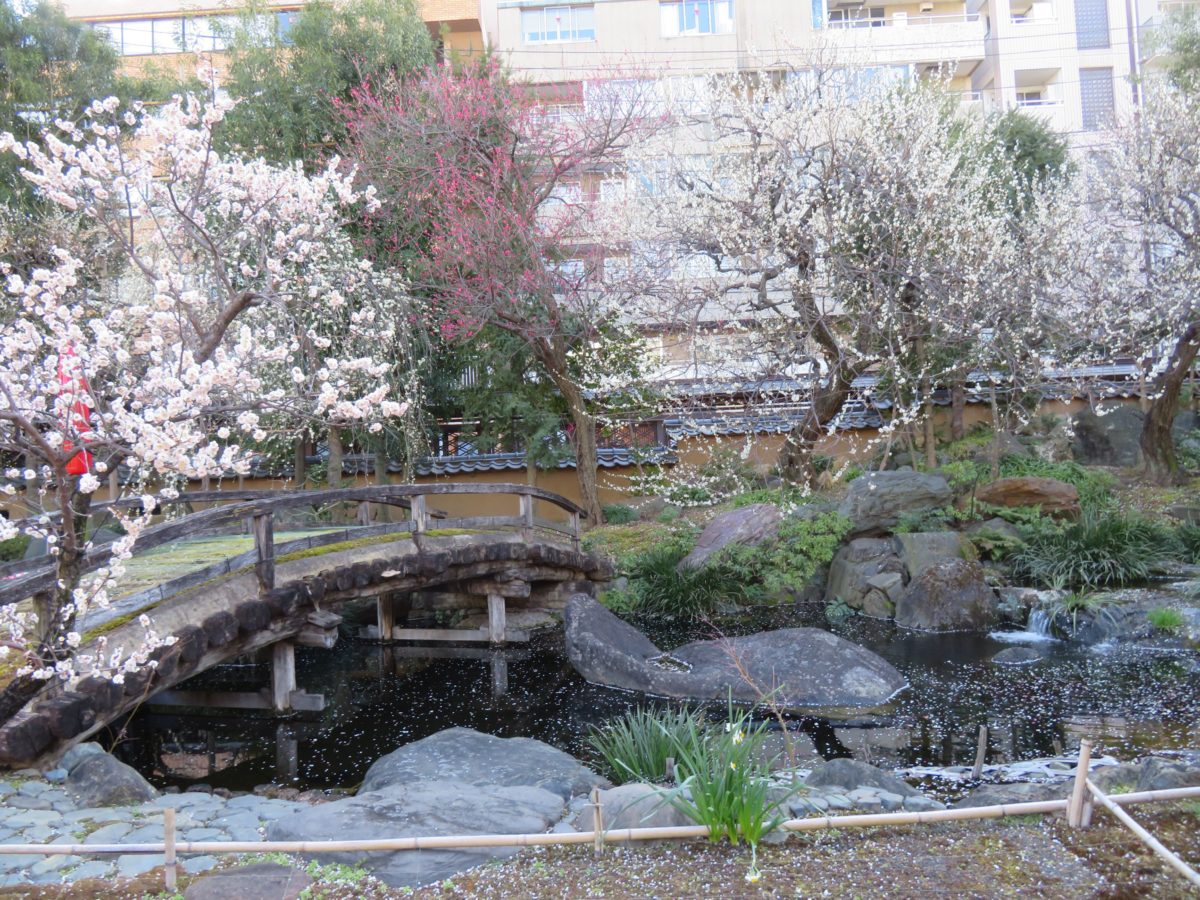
column 558, row 24
column 696, row 17
column 1091, row 24
column 1096, row 97
column 857, row 17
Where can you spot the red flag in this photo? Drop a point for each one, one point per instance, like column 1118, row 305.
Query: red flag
column 80, row 414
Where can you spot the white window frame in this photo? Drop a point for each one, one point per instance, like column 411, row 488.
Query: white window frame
column 575, row 31
column 673, row 18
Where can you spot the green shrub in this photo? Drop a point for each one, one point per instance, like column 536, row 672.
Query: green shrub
column 669, row 514
column 1188, row 537
column 788, row 560
column 1187, row 451
column 1165, row 618
column 837, row 609
column 636, row 746
column 1097, row 551
column 961, row 475
column 14, row 548
column 1094, row 487
column 725, row 784
column 619, row 514
column 926, row 520
column 662, row 590
column 991, row 543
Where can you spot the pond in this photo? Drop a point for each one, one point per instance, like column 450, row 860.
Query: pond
column 1130, row 699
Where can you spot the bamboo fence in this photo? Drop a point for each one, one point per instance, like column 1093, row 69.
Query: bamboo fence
column 1075, row 808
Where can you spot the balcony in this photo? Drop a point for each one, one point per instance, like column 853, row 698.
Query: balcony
column 882, row 36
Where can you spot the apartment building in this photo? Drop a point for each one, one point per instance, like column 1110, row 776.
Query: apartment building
column 172, row 31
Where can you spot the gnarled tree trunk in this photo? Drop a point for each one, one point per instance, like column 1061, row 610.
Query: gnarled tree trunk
column 796, row 455
column 1157, row 443
column 583, row 437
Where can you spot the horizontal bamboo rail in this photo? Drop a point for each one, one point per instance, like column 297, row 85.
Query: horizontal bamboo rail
column 616, row 835
column 1166, row 855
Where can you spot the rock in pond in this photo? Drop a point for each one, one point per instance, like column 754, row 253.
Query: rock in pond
column 859, row 570
column 874, row 502
column 472, row 757
column 633, row 805
column 811, row 668
column 850, row 774
column 1016, row 656
column 748, row 525
column 948, row 596
column 422, row 809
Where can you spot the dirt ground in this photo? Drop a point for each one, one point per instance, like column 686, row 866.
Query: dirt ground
column 1025, row 857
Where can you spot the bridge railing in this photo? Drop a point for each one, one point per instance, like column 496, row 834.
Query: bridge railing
column 28, row 578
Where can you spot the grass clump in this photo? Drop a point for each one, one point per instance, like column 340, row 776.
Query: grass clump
column 636, row 746
column 725, row 784
column 1100, row 550
column 619, row 514
column 660, row 588
column 1089, row 606
column 1165, row 618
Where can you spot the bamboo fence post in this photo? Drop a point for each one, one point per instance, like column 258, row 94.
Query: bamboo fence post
column 169, row 846
column 1147, row 838
column 1075, row 806
column 597, row 823
column 980, row 753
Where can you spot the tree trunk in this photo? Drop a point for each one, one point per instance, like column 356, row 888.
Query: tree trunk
column 958, row 405
column 333, row 475
column 300, row 463
column 583, row 439
column 1158, row 445
column 796, row 455
column 928, row 435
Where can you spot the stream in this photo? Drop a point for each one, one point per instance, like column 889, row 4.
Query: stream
column 1130, row 699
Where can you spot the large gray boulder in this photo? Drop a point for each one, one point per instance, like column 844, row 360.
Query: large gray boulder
column 922, row 550
column 808, row 668
column 858, row 576
column 876, row 500
column 422, row 809
column 948, row 596
column 1110, row 438
column 850, row 774
column 98, row 779
column 472, row 757
column 748, row 525
column 1019, row 792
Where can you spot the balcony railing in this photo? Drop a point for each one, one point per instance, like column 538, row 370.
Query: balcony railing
column 904, row 20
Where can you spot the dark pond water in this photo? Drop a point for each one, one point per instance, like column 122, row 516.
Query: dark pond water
column 1130, row 699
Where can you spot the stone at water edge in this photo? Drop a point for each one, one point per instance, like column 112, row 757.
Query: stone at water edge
column 420, row 809
column 103, row 780
column 1021, row 792
column 875, row 501
column 633, row 805
column 78, row 753
column 748, row 525
column 949, row 596
column 851, row 774
column 812, row 669
column 466, row 755
column 1016, row 656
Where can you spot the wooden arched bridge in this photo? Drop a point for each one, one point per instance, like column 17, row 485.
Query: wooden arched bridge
column 282, row 594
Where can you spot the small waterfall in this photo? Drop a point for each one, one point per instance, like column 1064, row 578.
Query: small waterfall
column 1040, row 622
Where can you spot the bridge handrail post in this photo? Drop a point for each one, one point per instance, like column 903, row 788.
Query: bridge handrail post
column 264, row 546
column 420, row 516
column 364, row 512
column 575, row 527
column 526, row 512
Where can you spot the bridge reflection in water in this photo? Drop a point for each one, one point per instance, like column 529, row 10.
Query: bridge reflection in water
column 276, row 596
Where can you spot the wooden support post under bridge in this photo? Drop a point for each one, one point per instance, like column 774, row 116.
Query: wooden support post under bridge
column 283, row 675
